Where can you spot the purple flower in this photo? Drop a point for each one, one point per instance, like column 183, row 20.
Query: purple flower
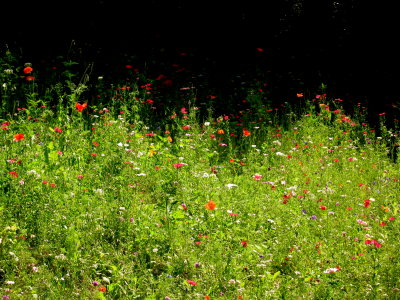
column 313, row 217
column 95, row 283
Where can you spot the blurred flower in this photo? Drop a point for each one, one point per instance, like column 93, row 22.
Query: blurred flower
column 29, row 78
column 27, row 70
column 331, row 270
column 246, row 132
column 231, row 185
column 373, row 242
column 257, row 177
column 103, row 289
column 361, row 222
column 178, row 165
column 80, row 107
column 210, row 205
column 191, row 282
column 19, row 137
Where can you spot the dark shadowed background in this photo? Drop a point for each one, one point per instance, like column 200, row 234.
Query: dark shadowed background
column 351, row 45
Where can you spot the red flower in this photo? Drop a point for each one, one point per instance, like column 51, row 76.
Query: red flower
column 27, row 70
column 210, row 205
column 80, row 107
column 244, row 243
column 13, row 174
column 323, row 207
column 367, row 203
column 178, row 165
column 30, row 78
column 373, row 242
column 103, row 289
column 246, row 132
column 19, row 137
column 191, row 282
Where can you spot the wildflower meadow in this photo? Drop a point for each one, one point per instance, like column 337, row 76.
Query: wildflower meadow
column 148, row 184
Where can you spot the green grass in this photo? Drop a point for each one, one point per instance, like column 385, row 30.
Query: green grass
column 110, row 202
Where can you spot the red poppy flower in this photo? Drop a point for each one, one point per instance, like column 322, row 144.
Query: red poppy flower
column 80, row 107
column 27, row 70
column 246, row 132
column 19, row 137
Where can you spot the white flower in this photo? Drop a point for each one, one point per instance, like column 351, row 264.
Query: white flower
column 99, row 191
column 231, row 185
column 33, row 172
column 206, row 123
column 280, row 154
column 331, row 270
column 277, row 143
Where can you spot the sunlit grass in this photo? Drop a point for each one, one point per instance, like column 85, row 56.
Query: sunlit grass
column 120, row 196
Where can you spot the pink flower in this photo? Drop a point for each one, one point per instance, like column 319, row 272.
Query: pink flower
column 191, row 282
column 373, row 242
column 178, row 165
column 186, row 127
column 362, row 222
column 257, row 177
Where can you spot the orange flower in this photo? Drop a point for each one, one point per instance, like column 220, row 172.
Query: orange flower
column 220, row 131
column 103, row 289
column 80, row 107
column 246, row 132
column 299, row 95
column 169, row 138
column 19, row 137
column 207, row 298
column 27, row 70
column 210, row 205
